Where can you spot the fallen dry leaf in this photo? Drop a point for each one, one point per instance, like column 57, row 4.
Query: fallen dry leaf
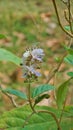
column 46, row 16
column 52, row 42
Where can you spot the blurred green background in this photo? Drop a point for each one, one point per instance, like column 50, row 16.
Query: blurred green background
column 30, row 23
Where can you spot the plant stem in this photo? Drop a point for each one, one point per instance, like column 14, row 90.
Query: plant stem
column 63, row 106
column 58, row 66
column 27, row 119
column 12, row 100
column 10, row 97
column 68, row 33
column 29, row 97
column 65, row 15
column 69, row 7
column 56, row 69
column 62, row 112
column 53, row 115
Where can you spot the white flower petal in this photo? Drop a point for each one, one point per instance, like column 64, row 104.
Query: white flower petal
column 26, row 54
column 25, row 57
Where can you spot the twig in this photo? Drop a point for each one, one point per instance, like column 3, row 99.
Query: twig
column 65, row 15
column 56, row 69
column 10, row 97
column 64, row 2
column 68, row 33
column 12, row 100
column 53, row 115
column 70, row 23
column 70, row 43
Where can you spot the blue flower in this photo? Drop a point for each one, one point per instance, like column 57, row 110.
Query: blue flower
column 37, row 54
column 30, row 70
column 33, row 71
column 31, row 60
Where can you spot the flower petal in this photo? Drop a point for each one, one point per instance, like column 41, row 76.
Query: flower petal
column 37, row 54
column 26, row 54
column 33, row 71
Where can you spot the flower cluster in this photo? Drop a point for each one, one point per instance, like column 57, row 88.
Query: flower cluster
column 30, row 62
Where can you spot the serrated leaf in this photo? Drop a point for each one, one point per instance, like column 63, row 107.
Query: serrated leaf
column 61, row 93
column 70, row 74
column 15, row 119
column 16, row 93
column 2, row 36
column 69, row 59
column 8, row 56
column 41, row 89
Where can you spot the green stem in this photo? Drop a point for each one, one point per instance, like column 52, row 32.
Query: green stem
column 29, row 97
column 56, row 69
column 27, row 119
column 63, row 106
column 53, row 115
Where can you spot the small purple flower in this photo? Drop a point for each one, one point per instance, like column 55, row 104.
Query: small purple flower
column 31, row 60
column 37, row 54
column 32, row 70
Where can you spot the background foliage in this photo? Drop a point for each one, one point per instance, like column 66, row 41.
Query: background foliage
column 34, row 23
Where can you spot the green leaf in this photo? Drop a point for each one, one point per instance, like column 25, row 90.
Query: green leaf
column 70, row 74
column 70, row 51
column 61, row 93
column 15, row 119
column 57, row 59
column 41, row 89
column 8, row 56
column 2, row 36
column 40, row 98
column 16, row 93
column 69, row 59
column 67, row 27
column 69, row 109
